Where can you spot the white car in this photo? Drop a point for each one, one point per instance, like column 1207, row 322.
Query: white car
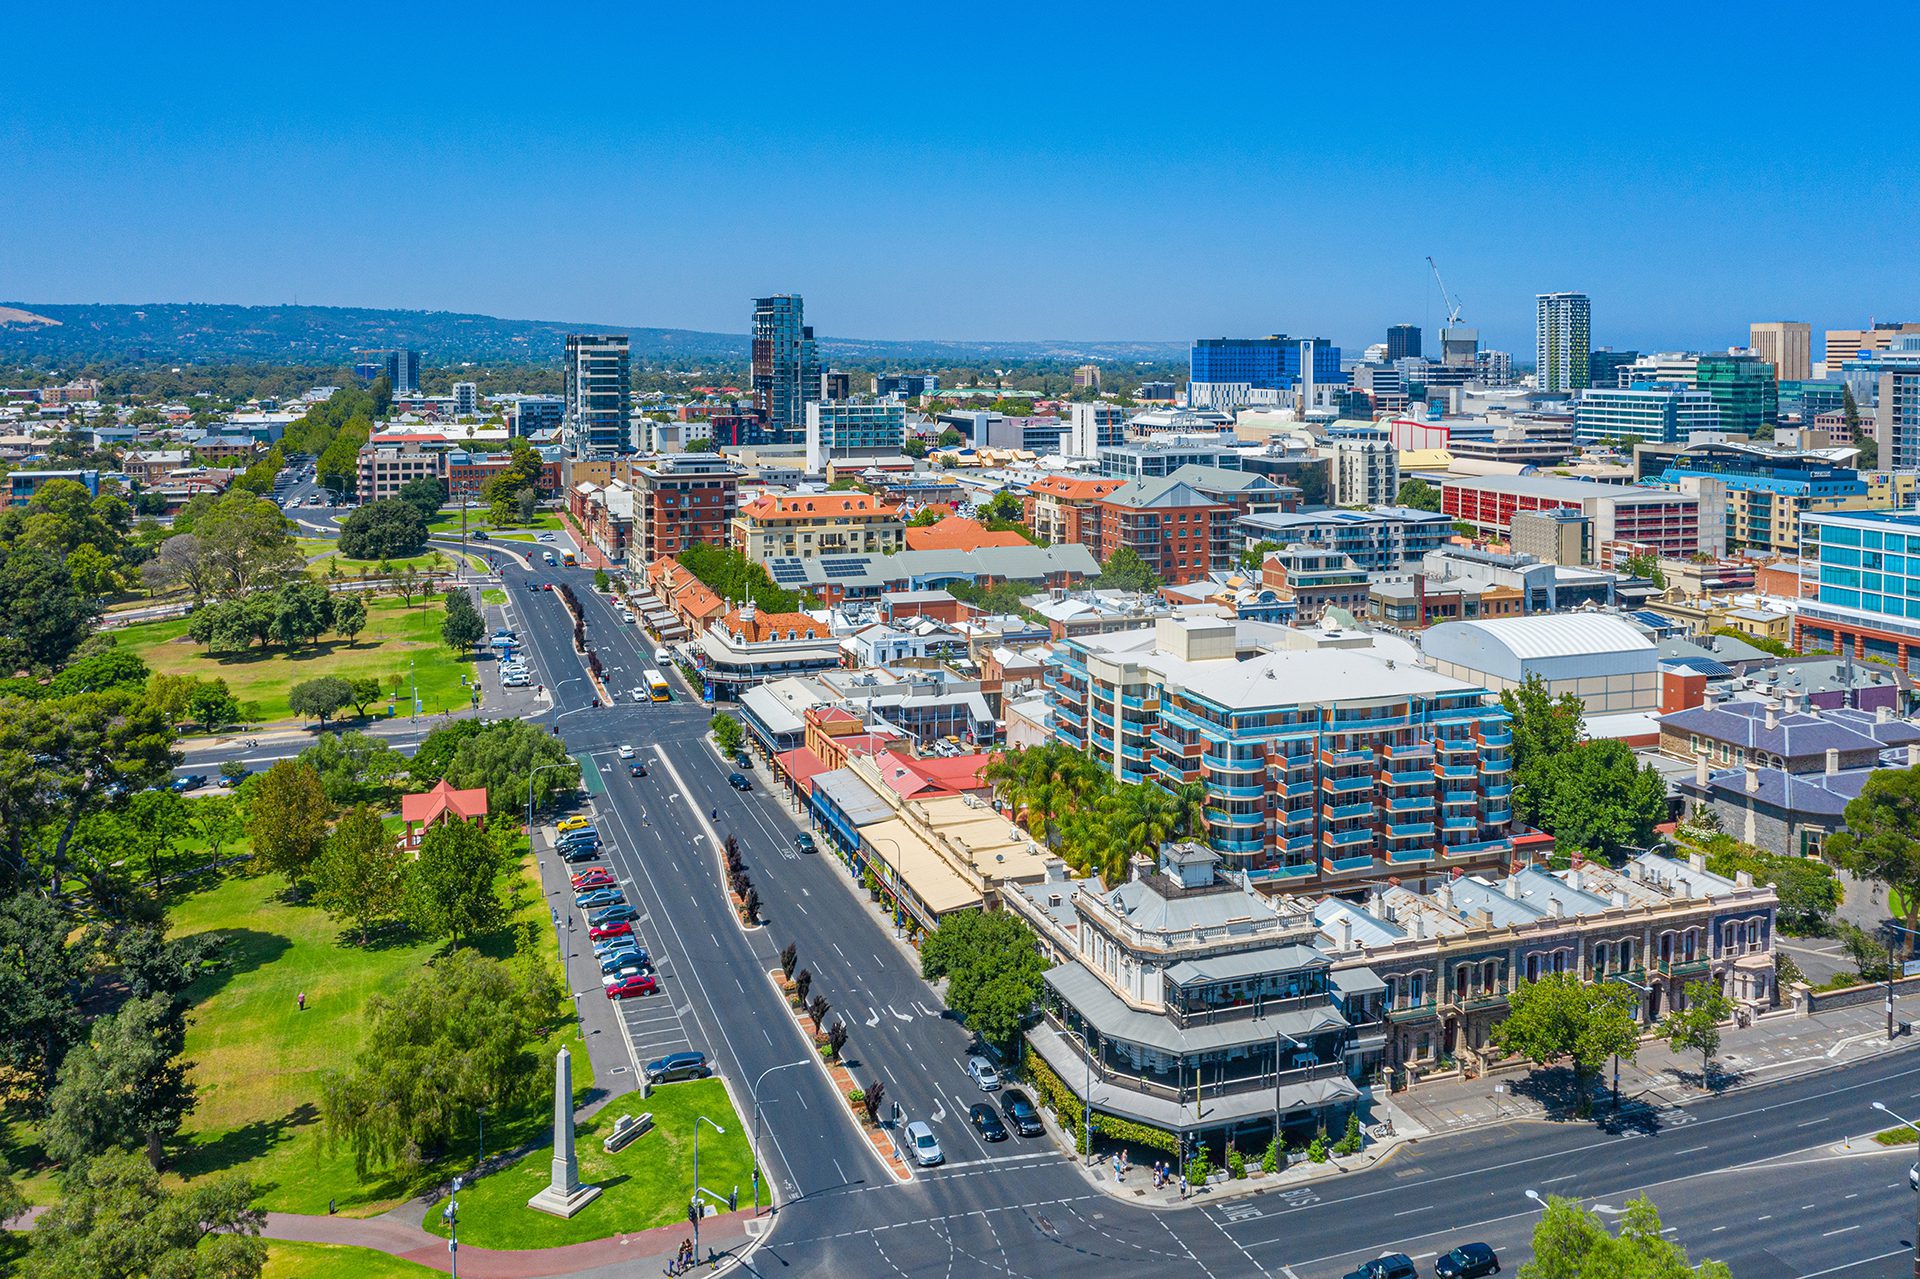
column 626, row 752
column 924, row 1145
column 640, row 695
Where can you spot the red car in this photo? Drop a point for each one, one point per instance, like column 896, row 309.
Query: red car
column 604, row 931
column 600, row 877
column 638, row 984
column 546, row 586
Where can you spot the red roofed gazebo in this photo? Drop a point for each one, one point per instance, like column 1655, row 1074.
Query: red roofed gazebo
column 443, row 801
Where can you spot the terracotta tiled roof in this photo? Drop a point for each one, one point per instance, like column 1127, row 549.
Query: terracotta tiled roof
column 807, row 505
column 762, row 627
column 1066, row 486
column 959, row 534
column 441, row 800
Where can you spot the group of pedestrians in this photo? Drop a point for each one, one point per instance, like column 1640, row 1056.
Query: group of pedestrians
column 683, row 1260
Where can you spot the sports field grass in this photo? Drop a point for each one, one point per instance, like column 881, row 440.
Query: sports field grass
column 394, row 636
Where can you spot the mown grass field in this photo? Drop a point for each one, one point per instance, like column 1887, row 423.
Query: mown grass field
column 325, row 1261
column 448, row 522
column 259, row 1060
column 645, row 1184
column 394, row 636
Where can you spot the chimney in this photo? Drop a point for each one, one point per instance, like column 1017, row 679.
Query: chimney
column 1346, row 932
column 1701, row 769
column 1753, row 779
column 1772, row 716
column 1554, row 909
column 1142, row 867
column 1833, row 761
column 1512, row 887
column 1573, row 877
column 1444, row 895
column 1743, row 879
column 1883, row 715
column 1619, row 898
column 1913, row 755
column 1697, row 861
column 1419, row 926
column 1483, row 917
column 1791, row 703
column 1579, row 859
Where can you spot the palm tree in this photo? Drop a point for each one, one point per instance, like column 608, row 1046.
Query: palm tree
column 1190, row 803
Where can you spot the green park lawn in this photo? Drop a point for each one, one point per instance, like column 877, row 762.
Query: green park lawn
column 286, row 1260
column 259, row 1060
column 493, row 595
column 646, row 1184
column 448, row 522
column 395, row 635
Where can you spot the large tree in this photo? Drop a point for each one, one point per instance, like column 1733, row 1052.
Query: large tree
column 116, row 1221
column 126, row 1087
column 349, row 615
column 43, row 614
column 242, row 540
column 426, row 494
column 1126, row 571
column 302, row 613
column 1561, row 1017
column 457, row 1038
column 387, row 529
column 1881, row 840
column 360, row 877
column 43, row 966
column 502, row 756
column 1570, row 1242
column 1597, row 799
column 463, row 626
column 1696, row 1027
column 321, row 698
column 992, row 966
column 287, row 815
column 1544, row 727
column 453, row 888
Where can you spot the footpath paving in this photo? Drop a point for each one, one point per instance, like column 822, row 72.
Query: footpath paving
column 723, row 1241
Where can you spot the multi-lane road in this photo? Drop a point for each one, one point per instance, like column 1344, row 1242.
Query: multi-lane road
column 1766, row 1179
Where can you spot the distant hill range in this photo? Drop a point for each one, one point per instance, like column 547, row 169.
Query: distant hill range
column 172, row 332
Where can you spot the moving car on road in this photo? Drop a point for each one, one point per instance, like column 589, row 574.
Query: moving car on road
column 1468, row 1261
column 1388, row 1265
column 986, row 1122
column 739, row 782
column 626, row 751
column 676, row 1066
column 803, row 843
column 924, row 1145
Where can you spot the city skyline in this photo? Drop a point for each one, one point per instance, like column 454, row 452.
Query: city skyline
column 1044, row 209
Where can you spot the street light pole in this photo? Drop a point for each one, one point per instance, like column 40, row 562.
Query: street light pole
column 1086, row 1101
column 699, row 1209
column 1881, row 1107
column 754, row 1092
column 451, row 1215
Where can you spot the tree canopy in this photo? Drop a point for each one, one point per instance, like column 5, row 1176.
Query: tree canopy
column 391, row 528
column 1570, row 1242
column 1126, row 571
column 1881, row 841
column 1563, row 1017
column 992, row 966
column 117, row 1221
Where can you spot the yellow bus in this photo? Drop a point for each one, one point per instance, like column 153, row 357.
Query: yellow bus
column 567, row 560
column 657, row 686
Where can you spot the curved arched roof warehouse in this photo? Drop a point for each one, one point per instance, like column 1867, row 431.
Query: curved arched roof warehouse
column 1605, row 661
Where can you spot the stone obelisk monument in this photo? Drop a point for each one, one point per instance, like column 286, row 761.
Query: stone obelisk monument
column 564, row 1194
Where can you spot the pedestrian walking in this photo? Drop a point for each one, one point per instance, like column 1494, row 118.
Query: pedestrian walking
column 301, row 1000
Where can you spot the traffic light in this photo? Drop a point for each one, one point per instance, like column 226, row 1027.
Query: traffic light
column 693, row 1212
column 733, row 1200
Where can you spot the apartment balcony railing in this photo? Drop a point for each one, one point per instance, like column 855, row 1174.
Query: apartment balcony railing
column 1340, row 865
column 1347, row 838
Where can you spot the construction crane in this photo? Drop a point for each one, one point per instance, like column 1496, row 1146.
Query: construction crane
column 1453, row 308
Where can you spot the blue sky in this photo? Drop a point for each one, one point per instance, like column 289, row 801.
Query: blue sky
column 979, row 171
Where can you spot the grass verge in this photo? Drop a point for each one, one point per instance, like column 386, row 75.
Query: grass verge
column 288, row 1260
column 449, row 522
column 395, row 635
column 646, row 1184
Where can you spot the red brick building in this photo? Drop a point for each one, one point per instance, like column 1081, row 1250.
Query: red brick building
column 680, row 500
column 1176, row 529
column 1060, row 508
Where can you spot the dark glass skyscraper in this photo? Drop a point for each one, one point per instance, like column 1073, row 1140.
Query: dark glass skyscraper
column 786, row 366
column 1403, row 341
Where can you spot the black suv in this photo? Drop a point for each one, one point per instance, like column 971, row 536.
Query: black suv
column 739, row 781
column 1020, row 1113
column 1392, row 1265
column 803, row 842
column 1468, row 1261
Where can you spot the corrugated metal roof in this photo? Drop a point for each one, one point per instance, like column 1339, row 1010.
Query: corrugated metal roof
column 1559, row 635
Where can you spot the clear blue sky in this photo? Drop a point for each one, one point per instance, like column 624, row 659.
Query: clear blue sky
column 975, row 171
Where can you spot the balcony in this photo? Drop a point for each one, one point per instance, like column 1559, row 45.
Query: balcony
column 1460, row 821
column 1417, row 855
column 1501, row 739
column 1682, row 968
column 1413, row 1012
column 1341, row 759
column 1407, row 778
column 1460, row 797
column 1455, row 772
column 1235, row 792
column 1346, row 785
column 1139, row 703
column 1500, row 791
column 1345, row 812
column 1410, row 804
column 1347, row 838
column 1341, row 865
column 1242, row 821
column 1410, row 830
column 1294, row 790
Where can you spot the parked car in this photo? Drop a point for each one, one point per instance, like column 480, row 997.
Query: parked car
column 986, row 1122
column 624, row 963
column 584, row 835
column 1468, row 1261
column 609, row 896
column 620, row 914
column 676, row 1066
column 984, row 1076
column 1020, row 1112
column 739, row 781
column 579, row 853
column 619, row 928
column 598, row 877
column 924, row 1145
column 1388, row 1265
column 573, row 823
column 638, row 984
column 803, row 843
column 626, row 941
column 187, row 782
